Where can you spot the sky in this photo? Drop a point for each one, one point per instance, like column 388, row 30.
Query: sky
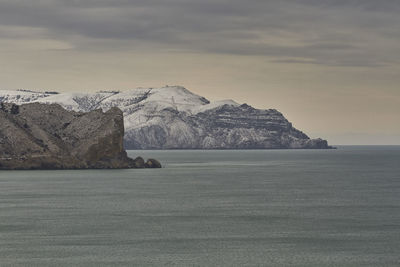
column 332, row 67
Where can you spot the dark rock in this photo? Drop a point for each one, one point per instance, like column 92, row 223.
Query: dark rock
column 14, row 109
column 152, row 163
column 41, row 136
column 9, row 108
column 139, row 162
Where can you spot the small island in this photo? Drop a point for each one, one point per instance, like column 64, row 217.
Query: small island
column 47, row 136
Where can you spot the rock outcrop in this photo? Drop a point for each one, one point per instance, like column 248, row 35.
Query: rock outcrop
column 42, row 136
column 174, row 118
column 152, row 163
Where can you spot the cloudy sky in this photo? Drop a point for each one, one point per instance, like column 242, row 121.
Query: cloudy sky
column 331, row 66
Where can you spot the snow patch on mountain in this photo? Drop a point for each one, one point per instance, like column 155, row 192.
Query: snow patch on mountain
column 174, row 117
column 214, row 105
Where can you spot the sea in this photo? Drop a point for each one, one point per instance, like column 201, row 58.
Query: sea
column 336, row 207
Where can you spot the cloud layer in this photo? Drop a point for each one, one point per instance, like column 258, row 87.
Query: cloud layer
column 362, row 33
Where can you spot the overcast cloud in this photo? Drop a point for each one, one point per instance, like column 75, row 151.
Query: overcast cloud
column 361, row 33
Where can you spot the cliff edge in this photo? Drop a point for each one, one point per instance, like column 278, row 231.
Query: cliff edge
column 42, row 136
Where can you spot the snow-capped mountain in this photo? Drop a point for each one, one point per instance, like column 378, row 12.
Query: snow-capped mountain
column 174, row 118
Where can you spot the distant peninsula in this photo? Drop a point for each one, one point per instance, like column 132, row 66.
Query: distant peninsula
column 172, row 117
column 47, row 136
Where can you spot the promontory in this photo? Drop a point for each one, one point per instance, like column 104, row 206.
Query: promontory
column 172, row 117
column 43, row 136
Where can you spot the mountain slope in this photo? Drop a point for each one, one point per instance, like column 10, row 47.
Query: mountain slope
column 175, row 118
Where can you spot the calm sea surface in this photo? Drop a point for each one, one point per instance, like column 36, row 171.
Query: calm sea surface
column 209, row 208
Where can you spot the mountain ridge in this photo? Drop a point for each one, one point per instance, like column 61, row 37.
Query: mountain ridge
column 172, row 117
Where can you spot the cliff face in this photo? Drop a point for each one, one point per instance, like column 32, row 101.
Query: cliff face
column 41, row 136
column 175, row 118
column 224, row 127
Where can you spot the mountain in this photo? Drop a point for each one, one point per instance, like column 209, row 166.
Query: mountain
column 41, row 136
column 174, row 118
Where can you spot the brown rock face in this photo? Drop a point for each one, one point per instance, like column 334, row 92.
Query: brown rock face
column 41, row 136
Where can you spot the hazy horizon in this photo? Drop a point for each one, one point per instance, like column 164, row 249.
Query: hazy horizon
column 331, row 67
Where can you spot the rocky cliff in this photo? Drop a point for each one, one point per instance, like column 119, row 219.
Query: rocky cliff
column 175, row 118
column 41, row 136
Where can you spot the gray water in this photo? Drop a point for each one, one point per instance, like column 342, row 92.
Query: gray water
column 209, row 208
